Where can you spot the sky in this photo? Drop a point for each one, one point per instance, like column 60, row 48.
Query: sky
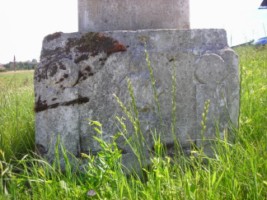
column 24, row 23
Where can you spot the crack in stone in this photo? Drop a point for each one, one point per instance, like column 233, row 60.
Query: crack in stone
column 42, row 105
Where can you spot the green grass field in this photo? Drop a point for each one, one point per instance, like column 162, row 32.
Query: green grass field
column 16, row 113
column 237, row 171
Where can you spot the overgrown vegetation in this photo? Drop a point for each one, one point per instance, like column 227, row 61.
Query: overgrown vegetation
column 238, row 170
column 16, row 113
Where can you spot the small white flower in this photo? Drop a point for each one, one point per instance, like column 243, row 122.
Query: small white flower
column 91, row 193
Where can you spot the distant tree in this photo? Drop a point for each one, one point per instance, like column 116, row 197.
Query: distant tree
column 2, row 68
column 34, row 61
column 28, row 65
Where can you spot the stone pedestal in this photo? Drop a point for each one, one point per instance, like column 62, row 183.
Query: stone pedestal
column 109, row 15
column 79, row 73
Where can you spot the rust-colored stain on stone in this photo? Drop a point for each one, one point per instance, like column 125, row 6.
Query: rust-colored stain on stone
column 77, row 50
column 95, row 43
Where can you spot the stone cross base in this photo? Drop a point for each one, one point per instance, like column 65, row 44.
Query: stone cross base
column 79, row 74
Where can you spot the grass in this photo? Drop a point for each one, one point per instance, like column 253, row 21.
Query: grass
column 16, row 113
column 237, row 171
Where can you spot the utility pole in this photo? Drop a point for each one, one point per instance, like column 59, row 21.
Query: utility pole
column 14, row 63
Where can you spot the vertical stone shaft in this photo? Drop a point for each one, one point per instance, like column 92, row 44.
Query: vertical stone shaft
column 108, row 15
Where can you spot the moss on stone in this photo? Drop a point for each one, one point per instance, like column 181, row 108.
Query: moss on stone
column 53, row 36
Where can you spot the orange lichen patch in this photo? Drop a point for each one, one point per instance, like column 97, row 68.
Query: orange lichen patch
column 117, row 47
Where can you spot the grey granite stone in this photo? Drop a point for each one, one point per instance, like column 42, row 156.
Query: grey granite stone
column 109, row 15
column 79, row 74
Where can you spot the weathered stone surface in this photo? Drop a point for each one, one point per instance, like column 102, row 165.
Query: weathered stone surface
column 80, row 73
column 109, row 15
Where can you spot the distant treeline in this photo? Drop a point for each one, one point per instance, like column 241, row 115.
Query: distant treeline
column 21, row 65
